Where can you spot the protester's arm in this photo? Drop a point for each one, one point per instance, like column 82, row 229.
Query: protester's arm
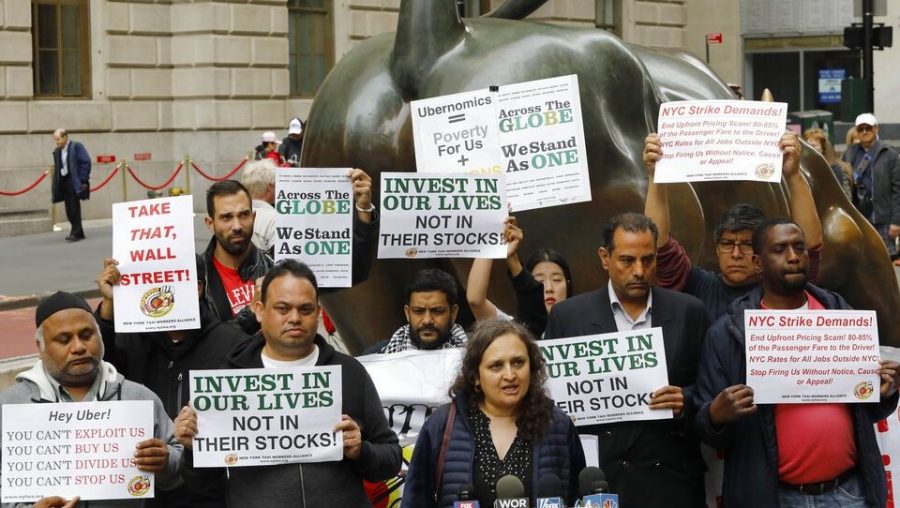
column 362, row 195
column 105, row 315
column 712, row 382
column 365, row 225
column 418, row 489
column 83, row 163
column 477, row 288
column 184, row 432
column 890, row 379
column 168, row 472
column 577, row 462
column 380, row 456
column 532, row 312
column 657, row 205
column 894, row 229
column 803, row 206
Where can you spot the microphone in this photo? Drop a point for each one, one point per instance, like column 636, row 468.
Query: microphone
column 466, row 497
column 549, row 492
column 599, row 487
column 510, row 493
column 586, row 479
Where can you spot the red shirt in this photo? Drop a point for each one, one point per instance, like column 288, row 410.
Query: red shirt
column 815, row 441
column 239, row 292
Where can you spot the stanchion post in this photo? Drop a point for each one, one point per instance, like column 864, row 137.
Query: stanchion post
column 123, row 168
column 51, row 173
column 186, row 165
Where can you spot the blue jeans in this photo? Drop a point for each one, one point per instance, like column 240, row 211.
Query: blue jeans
column 848, row 495
column 889, row 242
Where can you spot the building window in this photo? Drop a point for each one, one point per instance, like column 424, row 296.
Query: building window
column 61, row 42
column 311, row 40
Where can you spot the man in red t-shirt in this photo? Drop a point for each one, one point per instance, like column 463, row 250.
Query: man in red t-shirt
column 786, row 455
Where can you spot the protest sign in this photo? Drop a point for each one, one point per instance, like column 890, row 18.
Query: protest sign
column 542, row 139
column 254, row 417
column 608, row 377
column 531, row 131
column 315, row 222
column 429, row 215
column 720, row 140
column 407, row 405
column 153, row 240
column 812, row 356
column 73, row 449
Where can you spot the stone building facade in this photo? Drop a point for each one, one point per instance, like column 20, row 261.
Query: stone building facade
column 205, row 78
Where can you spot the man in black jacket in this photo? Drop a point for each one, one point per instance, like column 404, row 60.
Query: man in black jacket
column 787, row 454
column 288, row 311
column 71, row 179
column 234, row 264
column 161, row 362
column 662, row 454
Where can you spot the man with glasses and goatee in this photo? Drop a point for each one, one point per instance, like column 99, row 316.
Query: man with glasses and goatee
column 736, row 275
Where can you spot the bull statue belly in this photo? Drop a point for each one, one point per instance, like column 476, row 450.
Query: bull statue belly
column 361, row 118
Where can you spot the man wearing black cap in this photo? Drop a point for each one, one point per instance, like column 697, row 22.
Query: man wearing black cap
column 161, row 361
column 71, row 369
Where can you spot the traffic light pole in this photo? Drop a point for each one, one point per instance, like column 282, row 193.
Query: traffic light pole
column 868, row 7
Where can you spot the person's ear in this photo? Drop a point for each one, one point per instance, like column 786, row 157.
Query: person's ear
column 454, row 311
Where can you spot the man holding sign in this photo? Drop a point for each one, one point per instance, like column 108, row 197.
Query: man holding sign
column 639, row 454
column 787, row 454
column 288, row 310
column 71, row 369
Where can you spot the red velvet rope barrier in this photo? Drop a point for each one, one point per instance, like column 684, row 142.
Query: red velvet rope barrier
column 108, row 178
column 226, row 177
column 151, row 187
column 26, row 189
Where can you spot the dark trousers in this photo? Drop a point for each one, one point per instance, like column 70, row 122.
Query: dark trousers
column 73, row 207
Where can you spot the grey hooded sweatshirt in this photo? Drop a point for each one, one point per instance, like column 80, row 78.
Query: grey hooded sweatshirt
column 33, row 386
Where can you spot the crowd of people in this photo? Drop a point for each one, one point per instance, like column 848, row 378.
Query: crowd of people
column 259, row 314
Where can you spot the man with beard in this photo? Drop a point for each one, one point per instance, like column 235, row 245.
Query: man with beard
column 661, row 453
column 234, row 264
column 787, row 454
column 431, row 311
column 71, row 369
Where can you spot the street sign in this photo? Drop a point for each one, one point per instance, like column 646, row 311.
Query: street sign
column 714, row 38
column 103, row 159
column 830, row 85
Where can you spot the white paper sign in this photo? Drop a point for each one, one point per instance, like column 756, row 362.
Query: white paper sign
column 720, row 140
column 531, row 131
column 608, row 377
column 450, row 215
column 255, row 417
column 315, row 222
column 73, row 449
column 812, row 356
column 153, row 240
column 406, row 404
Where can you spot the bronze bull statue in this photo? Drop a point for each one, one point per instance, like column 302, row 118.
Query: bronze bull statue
column 361, row 118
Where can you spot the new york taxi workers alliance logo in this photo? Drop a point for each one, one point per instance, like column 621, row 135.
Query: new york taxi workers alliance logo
column 158, row 301
column 139, row 485
column 764, row 171
column 231, row 459
column 863, row 390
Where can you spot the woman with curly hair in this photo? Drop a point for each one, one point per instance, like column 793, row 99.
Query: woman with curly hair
column 501, row 422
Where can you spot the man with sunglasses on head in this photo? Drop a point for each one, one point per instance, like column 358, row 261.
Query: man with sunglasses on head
column 734, row 251
column 876, row 175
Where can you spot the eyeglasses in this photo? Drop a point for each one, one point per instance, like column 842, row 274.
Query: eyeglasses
column 864, row 128
column 729, row 245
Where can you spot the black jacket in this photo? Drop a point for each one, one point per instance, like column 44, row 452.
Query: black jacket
column 152, row 359
column 885, row 168
column 750, row 444
column 318, row 484
column 661, row 453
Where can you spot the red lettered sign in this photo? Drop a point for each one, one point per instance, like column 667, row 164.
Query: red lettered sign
column 103, row 159
column 143, row 156
column 714, row 38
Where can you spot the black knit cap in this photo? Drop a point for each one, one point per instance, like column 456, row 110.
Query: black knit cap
column 57, row 302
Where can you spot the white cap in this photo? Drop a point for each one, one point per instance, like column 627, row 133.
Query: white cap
column 295, row 127
column 866, row 119
column 269, row 137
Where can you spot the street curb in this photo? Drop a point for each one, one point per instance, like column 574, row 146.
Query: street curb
column 33, row 300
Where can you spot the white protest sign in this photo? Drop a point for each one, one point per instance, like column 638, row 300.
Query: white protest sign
column 456, row 133
column 720, row 140
column 73, row 449
column 254, row 417
column 532, row 131
column 407, row 405
column 542, row 139
column 608, row 377
column 812, row 356
column 153, row 241
column 315, row 222
column 430, row 215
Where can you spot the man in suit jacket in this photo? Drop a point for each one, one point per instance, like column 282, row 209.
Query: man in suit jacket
column 71, row 179
column 649, row 463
